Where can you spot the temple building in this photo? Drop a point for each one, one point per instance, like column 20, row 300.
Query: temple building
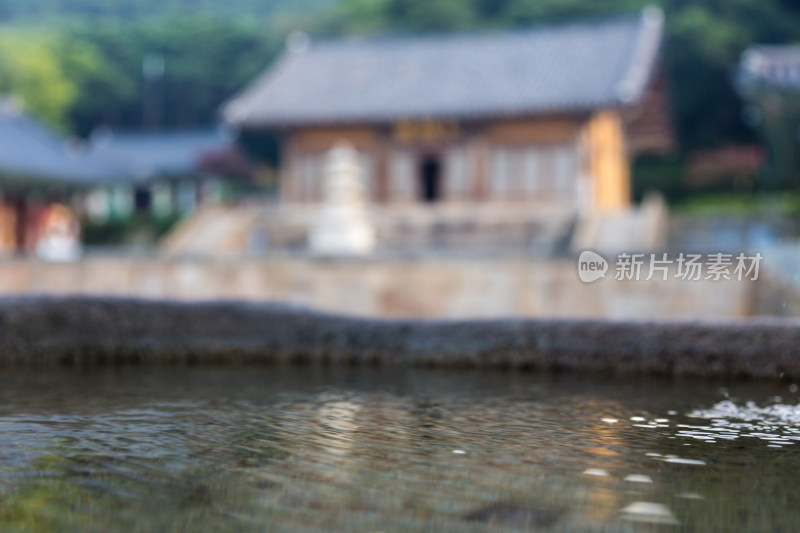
column 111, row 178
column 547, row 116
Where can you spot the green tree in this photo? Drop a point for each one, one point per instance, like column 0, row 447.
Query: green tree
column 438, row 15
column 206, row 60
column 30, row 71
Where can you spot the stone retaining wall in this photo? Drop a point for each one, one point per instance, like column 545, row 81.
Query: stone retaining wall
column 430, row 287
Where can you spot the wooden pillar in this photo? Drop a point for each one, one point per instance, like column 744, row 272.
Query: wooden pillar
column 609, row 161
column 20, row 206
column 288, row 173
column 382, row 171
column 479, row 155
column 8, row 229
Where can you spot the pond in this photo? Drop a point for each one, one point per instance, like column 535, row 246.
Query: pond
column 338, row 449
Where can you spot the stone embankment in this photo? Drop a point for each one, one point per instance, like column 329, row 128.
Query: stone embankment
column 86, row 331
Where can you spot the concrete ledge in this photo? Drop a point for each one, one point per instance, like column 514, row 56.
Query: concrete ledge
column 83, row 331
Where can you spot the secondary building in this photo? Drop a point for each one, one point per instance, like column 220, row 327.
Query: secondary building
column 113, row 177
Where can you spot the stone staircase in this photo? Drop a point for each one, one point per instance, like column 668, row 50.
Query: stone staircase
column 218, row 231
column 636, row 230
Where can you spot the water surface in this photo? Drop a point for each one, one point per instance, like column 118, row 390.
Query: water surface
column 311, row 449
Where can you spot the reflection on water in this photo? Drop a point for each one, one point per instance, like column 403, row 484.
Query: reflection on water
column 391, row 450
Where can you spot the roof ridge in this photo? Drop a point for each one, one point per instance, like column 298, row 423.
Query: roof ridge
column 635, row 79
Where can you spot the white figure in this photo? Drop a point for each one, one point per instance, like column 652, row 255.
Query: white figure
column 342, row 227
column 59, row 235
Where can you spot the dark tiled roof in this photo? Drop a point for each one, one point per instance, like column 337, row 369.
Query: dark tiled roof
column 149, row 155
column 569, row 67
column 30, row 151
column 776, row 66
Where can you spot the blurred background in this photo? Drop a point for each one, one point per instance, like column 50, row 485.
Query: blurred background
column 437, row 158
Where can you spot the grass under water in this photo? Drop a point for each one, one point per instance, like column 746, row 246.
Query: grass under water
column 312, row 449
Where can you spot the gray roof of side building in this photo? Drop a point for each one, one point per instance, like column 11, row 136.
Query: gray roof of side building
column 152, row 155
column 773, row 65
column 30, row 152
column 562, row 68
